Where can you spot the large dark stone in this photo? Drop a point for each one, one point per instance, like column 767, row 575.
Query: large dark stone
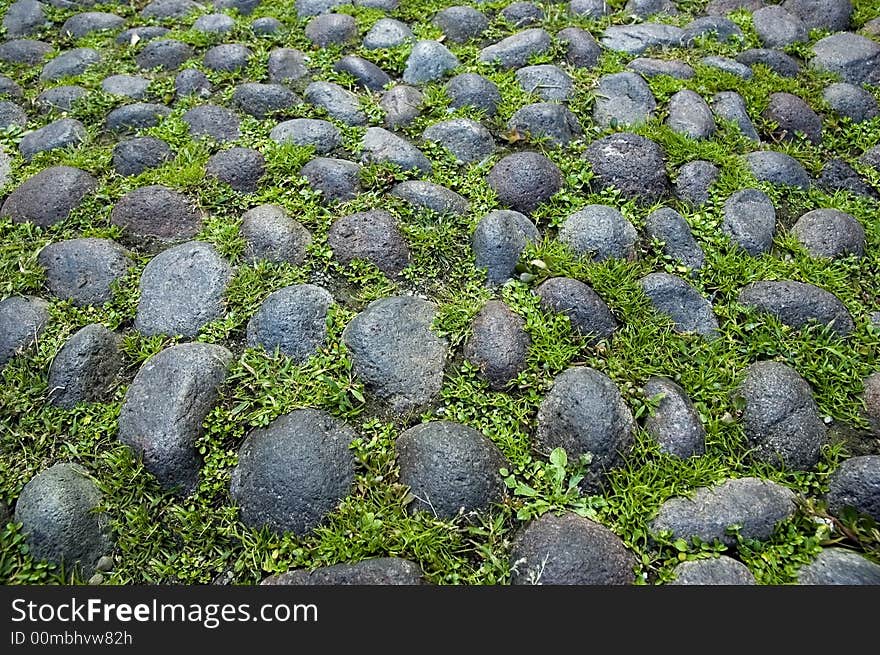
column 549, row 121
column 830, row 233
column 634, row 165
column 856, row 485
column 377, row 571
column 154, row 215
column 777, row 168
column 22, row 321
column 469, row 141
column 599, row 232
column 213, row 122
column 84, row 270
column 515, row 50
column 70, row 63
column 339, row 103
column 473, row 90
column 293, row 320
column 670, row 227
column 588, row 313
column 688, row 310
column 855, row 58
column 430, row 196
column 371, row 235
column 750, row 220
column 136, row 155
column 381, row 146
column 499, row 240
column 240, row 168
column 428, row 61
column 525, row 180
column 49, row 196
column 262, row 100
column 63, row 133
column 498, row 344
column 797, row 304
column 85, row 368
column 792, row 117
column 839, row 566
column 623, row 100
column 164, row 54
column 271, row 234
column 338, row 180
column 831, row 15
column 674, row 422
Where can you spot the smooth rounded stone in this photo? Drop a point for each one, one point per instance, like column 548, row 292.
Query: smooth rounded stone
column 549, row 82
column 694, row 180
column 243, row 7
column 12, row 115
column 520, row 14
column 85, row 368
column 156, row 214
column 9, row 88
column 58, row 512
column 287, row 66
column 271, row 234
column 59, row 98
column 675, row 423
column 670, row 227
column 688, row 310
column 371, row 235
column 581, row 48
column 473, row 90
column 22, row 321
column 164, row 54
column 339, row 103
column 83, row 270
column 136, row 155
column 395, row 353
column 214, row 24
column 830, row 233
column 727, row 65
column 524, row 180
column 689, row 115
column 165, row 406
column 227, row 57
column 584, row 413
column 383, row 147
column 851, row 101
column 777, row 168
column 636, row 39
column 837, row 175
column 856, row 485
column 468, row 140
column 401, row 104
column 70, row 63
column 753, row 504
column 634, row 165
column 730, row 106
column 450, row 469
column 305, row 8
column 430, row 196
column 136, row 116
column 267, row 25
column 25, row 51
column 750, row 221
column 262, row 100
column 599, row 232
column 387, row 33
column 240, row 168
column 516, row 50
column 589, row 8
column 365, row 72
column 321, row 135
column 776, row 60
column 461, row 24
column 714, row 27
column 169, row 8
column 546, row 120
column 722, row 570
column 498, row 241
column 292, row 320
column 839, row 566
column 81, row 25
column 776, row 28
column 796, row 304
column 648, row 67
column 293, row 472
column 49, row 196
column 182, row 290
column 832, row 15
column 213, row 122
column 129, row 86
column 855, row 58
column 24, row 18
column 140, row 34
column 372, row 572
column 623, row 99
column 588, row 313
column 338, row 180
column 569, row 550
column 428, row 61
column 331, row 29
column 191, row 82
column 792, row 116
column 498, row 344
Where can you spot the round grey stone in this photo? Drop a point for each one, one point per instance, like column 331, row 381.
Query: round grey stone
column 550, row 121
column 271, row 234
column 63, row 133
column 720, row 570
column 263, row 100
column 468, row 140
column 339, row 103
column 214, row 24
column 588, row 313
column 213, row 122
column 11, row 115
column 182, row 290
column 267, row 25
column 10, row 89
column 240, row 168
column 637, row 38
column 227, row 57
column 569, row 550
column 777, row 28
column 156, row 214
column 589, row 8
column 690, row 116
column 164, row 54
column 191, row 82
column 387, row 33
column 693, row 182
column 165, row 406
column 24, row 18
column 371, row 235
column 129, row 86
column 430, row 196
column 461, row 23
column 428, row 61
column 25, row 51
column 498, row 241
column 838, row 566
column 287, row 66
column 520, row 14
column 688, row 310
column 792, row 116
column 59, row 98
column 450, row 469
column 136, row 155
column 306, row 8
column 401, row 104
column 331, row 29
column 170, row 8
column 85, row 368
column 365, row 72
column 730, row 106
column 322, row 135
column 525, row 180
column 830, row 233
column 581, row 49
column 674, row 423
column 670, row 227
column 851, row 101
column 381, row 146
column 49, row 196
column 84, row 270
column 599, row 232
column 57, row 510
column 715, row 27
column 776, row 60
column 649, row 67
column 832, row 15
column 645, row 8
column 498, row 344
column 293, row 320
column 750, row 221
column 855, row 58
column 623, row 99
column 136, row 116
column 376, row 571
column 837, row 175
column 395, row 353
column 634, row 165
column 727, row 65
column 516, row 50
column 856, row 485
column 473, row 90
column 22, row 321
column 83, row 24
column 549, row 82
column 797, row 304
column 338, row 180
